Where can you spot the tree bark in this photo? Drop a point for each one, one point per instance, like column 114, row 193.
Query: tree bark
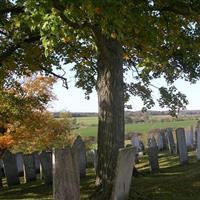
column 110, row 90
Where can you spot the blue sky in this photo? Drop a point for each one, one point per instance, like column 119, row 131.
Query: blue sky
column 73, row 99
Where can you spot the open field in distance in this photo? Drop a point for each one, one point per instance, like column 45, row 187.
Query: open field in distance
column 88, row 125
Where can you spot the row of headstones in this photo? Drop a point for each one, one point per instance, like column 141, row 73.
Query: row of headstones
column 165, row 141
column 66, row 182
column 14, row 166
column 17, row 165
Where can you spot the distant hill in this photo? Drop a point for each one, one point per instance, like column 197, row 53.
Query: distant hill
column 150, row 112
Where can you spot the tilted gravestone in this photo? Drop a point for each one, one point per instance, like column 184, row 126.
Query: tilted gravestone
column 181, row 145
column 20, row 163
column 123, row 173
column 198, row 140
column 170, row 141
column 66, row 185
column 46, row 164
column 153, row 159
column 10, row 169
column 80, row 146
column 29, row 167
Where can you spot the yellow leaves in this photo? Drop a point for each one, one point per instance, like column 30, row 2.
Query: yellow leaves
column 6, row 142
column 125, row 56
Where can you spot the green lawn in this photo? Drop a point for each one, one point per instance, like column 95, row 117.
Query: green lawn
column 173, row 182
column 90, row 126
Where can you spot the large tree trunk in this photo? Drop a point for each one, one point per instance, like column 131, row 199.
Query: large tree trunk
column 110, row 90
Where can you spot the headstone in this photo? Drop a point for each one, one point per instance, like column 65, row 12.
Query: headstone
column 29, row 167
column 189, row 138
column 153, row 159
column 65, row 175
column 198, row 140
column 164, row 138
column 123, row 174
column 170, row 141
column 20, row 163
column 90, row 155
column 10, row 168
column 181, row 145
column 80, row 146
column 135, row 142
column 46, row 167
column 37, row 162
column 152, row 142
column 160, row 142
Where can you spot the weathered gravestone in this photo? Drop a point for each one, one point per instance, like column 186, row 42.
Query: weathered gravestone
column 81, row 153
column 135, row 142
column 198, row 140
column 170, row 141
column 189, row 138
column 46, row 164
column 181, row 145
column 37, row 161
column 90, row 156
column 160, row 142
column 153, row 159
column 164, row 139
column 123, row 173
column 20, row 163
column 29, row 167
column 152, row 142
column 66, row 183
column 10, row 169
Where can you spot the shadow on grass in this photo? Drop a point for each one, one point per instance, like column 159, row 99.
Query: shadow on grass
column 173, row 182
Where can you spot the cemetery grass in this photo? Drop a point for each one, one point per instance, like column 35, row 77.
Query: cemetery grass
column 88, row 126
column 173, row 182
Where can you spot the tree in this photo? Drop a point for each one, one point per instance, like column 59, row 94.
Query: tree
column 104, row 40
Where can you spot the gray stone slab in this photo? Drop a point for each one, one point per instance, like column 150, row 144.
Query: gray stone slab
column 198, row 140
column 90, row 156
column 153, row 159
column 10, row 169
column 29, row 167
column 164, row 138
column 37, row 162
column 20, row 163
column 123, row 174
column 80, row 146
column 181, row 145
column 135, row 142
column 46, row 166
column 160, row 142
column 152, row 142
column 170, row 141
column 65, row 175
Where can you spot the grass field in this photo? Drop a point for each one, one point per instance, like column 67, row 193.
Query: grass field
column 88, row 126
column 173, row 182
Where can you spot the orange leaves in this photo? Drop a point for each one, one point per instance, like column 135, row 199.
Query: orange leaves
column 6, row 142
column 98, row 10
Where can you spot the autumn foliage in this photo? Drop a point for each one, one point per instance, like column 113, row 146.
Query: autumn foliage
column 6, row 142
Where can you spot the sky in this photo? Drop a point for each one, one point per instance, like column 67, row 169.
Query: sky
column 73, row 99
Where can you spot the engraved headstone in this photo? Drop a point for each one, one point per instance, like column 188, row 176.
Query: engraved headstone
column 37, row 161
column 29, row 167
column 10, row 168
column 46, row 166
column 153, row 159
column 181, row 145
column 20, row 163
column 170, row 141
column 65, row 175
column 80, row 146
column 123, row 174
